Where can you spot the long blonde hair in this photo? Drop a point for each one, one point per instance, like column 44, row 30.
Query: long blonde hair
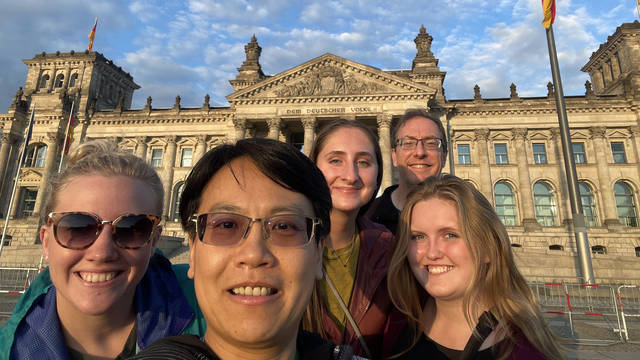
column 496, row 282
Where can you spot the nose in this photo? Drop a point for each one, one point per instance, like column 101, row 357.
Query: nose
column 104, row 248
column 253, row 251
column 351, row 172
column 420, row 150
column 433, row 251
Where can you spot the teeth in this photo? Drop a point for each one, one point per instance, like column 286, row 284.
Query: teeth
column 97, row 277
column 419, row 166
column 252, row 291
column 439, row 269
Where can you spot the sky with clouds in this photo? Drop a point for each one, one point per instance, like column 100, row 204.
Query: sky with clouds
column 193, row 47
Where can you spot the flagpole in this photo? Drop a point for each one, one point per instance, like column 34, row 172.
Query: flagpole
column 66, row 136
column 15, row 182
column 579, row 226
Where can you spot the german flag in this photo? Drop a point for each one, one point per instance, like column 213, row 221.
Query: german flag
column 92, row 34
column 549, row 12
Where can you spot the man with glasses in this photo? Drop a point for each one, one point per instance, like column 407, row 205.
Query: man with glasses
column 256, row 214
column 419, row 150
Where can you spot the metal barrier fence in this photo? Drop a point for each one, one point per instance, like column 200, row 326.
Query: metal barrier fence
column 16, row 280
column 629, row 302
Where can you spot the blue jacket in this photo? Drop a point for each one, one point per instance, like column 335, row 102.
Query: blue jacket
column 165, row 305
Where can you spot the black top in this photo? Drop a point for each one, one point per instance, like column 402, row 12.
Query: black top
column 189, row 347
column 382, row 210
column 427, row 348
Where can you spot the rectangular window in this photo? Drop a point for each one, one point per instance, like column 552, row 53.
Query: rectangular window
column 156, row 158
column 464, row 154
column 28, row 201
column 579, row 155
column 501, row 154
column 617, row 149
column 539, row 153
column 187, row 156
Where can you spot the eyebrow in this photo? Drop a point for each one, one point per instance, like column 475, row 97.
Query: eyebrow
column 275, row 210
column 343, row 153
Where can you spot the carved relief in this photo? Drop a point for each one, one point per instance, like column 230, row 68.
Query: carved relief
column 329, row 80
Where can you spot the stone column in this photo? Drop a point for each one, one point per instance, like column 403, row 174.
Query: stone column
column 7, row 146
column 49, row 167
column 524, row 182
column 309, row 124
column 605, row 186
column 274, row 128
column 384, row 136
column 6, row 141
column 201, row 148
column 486, row 184
column 53, row 79
column 141, row 147
column 168, row 173
column 240, row 125
column 635, row 136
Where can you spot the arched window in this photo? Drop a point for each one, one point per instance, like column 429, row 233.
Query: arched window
column 599, row 249
column 177, row 194
column 588, row 204
column 556, row 247
column 545, row 204
column 505, row 203
column 36, row 155
column 44, row 81
column 73, row 80
column 625, row 203
column 59, row 81
column 637, row 251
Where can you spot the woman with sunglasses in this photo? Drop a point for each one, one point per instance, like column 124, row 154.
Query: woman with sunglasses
column 453, row 274
column 355, row 305
column 105, row 293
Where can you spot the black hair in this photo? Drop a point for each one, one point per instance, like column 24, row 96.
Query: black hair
column 280, row 162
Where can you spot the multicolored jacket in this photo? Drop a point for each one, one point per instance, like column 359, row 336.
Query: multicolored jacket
column 165, row 305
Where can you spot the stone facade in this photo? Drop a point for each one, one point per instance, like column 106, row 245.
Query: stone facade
column 509, row 148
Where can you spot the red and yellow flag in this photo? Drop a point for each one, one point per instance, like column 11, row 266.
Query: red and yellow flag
column 549, row 12
column 92, row 34
column 67, row 144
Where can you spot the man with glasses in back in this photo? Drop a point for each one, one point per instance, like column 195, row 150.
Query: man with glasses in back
column 419, row 150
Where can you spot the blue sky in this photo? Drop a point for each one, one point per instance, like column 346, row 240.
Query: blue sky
column 193, row 47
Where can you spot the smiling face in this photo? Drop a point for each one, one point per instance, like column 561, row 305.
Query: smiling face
column 252, row 294
column 101, row 279
column 414, row 166
column 437, row 252
column 349, row 165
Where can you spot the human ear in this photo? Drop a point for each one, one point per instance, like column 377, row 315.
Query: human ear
column 394, row 157
column 192, row 251
column 44, row 239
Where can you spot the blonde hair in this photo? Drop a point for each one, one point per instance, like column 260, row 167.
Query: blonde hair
column 496, row 282
column 102, row 157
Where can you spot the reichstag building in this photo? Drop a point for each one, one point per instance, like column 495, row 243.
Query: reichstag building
column 509, row 148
